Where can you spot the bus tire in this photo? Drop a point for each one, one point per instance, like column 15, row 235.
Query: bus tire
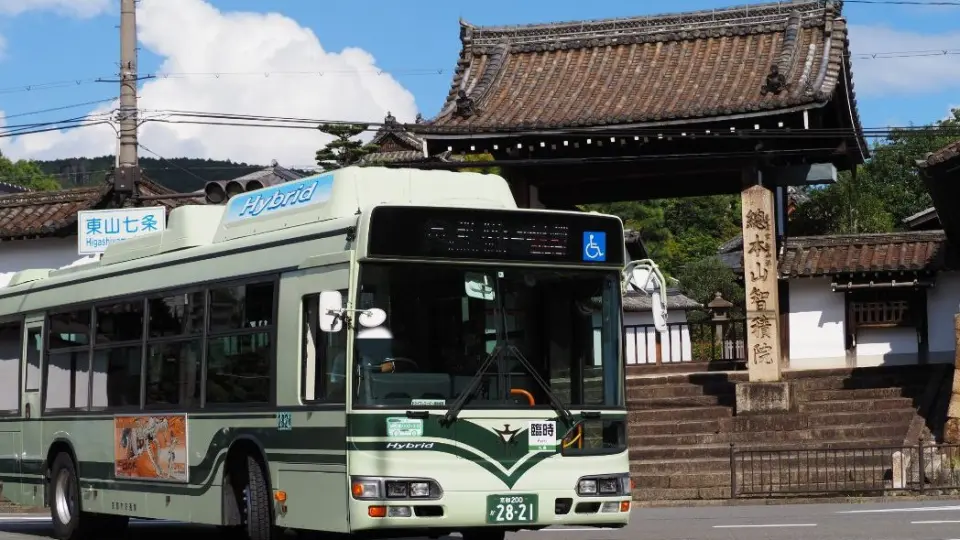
column 251, row 483
column 259, row 522
column 69, row 523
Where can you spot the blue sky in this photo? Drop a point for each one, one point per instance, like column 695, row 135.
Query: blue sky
column 43, row 41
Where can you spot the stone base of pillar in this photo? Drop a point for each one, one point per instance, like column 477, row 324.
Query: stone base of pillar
column 951, row 431
column 765, row 398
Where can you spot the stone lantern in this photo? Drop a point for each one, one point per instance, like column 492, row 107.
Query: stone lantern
column 720, row 309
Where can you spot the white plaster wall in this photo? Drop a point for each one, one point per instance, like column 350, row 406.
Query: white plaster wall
column 17, row 255
column 817, row 322
column 675, row 343
column 942, row 305
column 887, row 347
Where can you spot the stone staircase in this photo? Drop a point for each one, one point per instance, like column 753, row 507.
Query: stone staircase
column 682, row 425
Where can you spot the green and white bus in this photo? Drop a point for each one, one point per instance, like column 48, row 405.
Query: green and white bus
column 367, row 350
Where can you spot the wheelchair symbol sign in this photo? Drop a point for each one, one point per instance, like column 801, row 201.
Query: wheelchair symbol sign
column 594, row 246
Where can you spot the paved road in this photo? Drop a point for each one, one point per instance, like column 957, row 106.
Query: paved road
column 896, row 521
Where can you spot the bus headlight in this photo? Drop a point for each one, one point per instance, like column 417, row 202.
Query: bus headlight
column 365, row 488
column 612, row 485
column 382, row 488
column 419, row 489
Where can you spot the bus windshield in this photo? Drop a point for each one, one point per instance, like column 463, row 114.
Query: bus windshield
column 444, row 321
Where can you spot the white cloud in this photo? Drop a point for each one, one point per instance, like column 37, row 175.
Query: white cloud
column 906, row 75
column 75, row 8
column 194, row 37
column 3, row 47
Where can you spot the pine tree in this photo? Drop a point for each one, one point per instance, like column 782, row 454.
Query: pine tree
column 343, row 150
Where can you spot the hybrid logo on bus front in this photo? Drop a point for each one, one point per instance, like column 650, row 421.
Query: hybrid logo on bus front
column 410, row 446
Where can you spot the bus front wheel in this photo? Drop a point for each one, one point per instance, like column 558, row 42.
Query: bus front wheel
column 251, row 502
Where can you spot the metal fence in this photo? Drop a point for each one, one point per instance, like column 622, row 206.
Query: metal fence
column 917, row 468
column 684, row 342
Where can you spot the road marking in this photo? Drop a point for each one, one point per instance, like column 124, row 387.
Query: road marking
column 24, row 518
column 891, row 510
column 934, row 522
column 581, row 529
column 767, row 525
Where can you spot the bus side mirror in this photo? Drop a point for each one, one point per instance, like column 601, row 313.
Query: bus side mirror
column 331, row 311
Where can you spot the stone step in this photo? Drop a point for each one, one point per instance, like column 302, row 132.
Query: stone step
column 678, row 414
column 720, row 419
column 653, row 467
column 682, row 427
column 837, row 433
column 860, row 393
column 699, row 379
column 680, row 494
column 728, row 400
column 855, row 405
column 892, row 372
column 683, row 480
column 895, row 416
column 703, row 451
column 680, row 390
column 854, row 383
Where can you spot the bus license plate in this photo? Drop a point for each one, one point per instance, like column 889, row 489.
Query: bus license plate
column 511, row 508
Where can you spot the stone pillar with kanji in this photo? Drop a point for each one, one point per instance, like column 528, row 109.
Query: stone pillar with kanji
column 760, row 282
column 765, row 392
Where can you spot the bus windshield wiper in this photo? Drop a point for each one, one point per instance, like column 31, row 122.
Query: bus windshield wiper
column 457, row 405
column 555, row 402
column 499, row 351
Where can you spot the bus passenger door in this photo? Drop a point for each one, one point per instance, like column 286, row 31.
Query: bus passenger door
column 33, row 452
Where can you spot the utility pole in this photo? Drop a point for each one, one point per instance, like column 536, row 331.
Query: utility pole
column 128, row 169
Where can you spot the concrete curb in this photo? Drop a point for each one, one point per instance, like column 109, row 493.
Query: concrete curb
column 781, row 501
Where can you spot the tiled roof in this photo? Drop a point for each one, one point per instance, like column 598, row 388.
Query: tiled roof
column 634, row 301
column 882, row 252
column 663, row 69
column 397, row 156
column 47, row 213
column 6, row 187
column 924, row 218
column 950, row 152
column 395, row 144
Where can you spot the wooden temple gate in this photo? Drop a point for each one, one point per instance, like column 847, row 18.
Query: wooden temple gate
column 745, row 100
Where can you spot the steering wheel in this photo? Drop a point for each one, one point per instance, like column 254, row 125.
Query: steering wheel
column 402, row 359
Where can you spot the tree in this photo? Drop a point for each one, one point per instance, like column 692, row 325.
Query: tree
column 703, row 278
column 343, row 150
column 886, row 190
column 471, row 158
column 26, row 174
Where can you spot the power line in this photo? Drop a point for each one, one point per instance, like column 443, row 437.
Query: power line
column 174, row 165
column 281, row 122
column 62, row 108
column 882, row 55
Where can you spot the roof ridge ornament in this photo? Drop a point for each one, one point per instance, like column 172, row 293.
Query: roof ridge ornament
column 775, row 82
column 465, row 107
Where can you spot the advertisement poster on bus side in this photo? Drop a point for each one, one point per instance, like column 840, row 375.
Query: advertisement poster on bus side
column 151, row 447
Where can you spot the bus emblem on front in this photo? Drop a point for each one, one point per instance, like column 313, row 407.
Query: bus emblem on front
column 507, row 434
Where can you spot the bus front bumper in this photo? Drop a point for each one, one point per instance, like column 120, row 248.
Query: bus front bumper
column 468, row 509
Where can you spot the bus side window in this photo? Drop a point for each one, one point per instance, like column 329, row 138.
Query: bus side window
column 324, row 357
column 10, row 335
column 34, row 347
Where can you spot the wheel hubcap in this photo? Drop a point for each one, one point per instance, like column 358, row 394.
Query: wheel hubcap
column 65, row 497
